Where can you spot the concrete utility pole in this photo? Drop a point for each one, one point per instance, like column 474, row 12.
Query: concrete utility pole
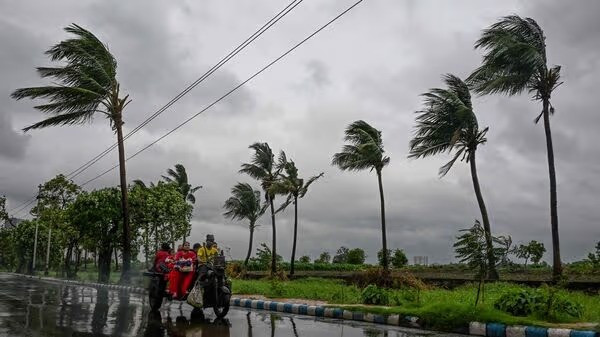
column 48, row 250
column 37, row 223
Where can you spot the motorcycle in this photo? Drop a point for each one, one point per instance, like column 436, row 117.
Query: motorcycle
column 216, row 287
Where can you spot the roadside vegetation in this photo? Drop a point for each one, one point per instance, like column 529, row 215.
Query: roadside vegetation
column 439, row 308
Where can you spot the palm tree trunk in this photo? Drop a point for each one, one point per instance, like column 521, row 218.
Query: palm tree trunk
column 295, row 234
column 274, row 252
column 556, row 263
column 383, row 231
column 249, row 245
column 126, row 242
column 492, row 272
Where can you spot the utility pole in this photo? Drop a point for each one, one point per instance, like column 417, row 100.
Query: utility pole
column 37, row 223
column 48, row 250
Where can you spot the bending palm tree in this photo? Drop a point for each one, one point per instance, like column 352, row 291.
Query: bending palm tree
column 449, row 123
column 245, row 203
column 365, row 151
column 262, row 168
column 86, row 86
column 295, row 188
column 180, row 178
column 515, row 61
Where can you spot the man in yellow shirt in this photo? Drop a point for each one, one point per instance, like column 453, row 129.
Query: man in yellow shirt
column 208, row 250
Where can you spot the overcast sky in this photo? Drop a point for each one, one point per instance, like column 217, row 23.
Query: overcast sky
column 372, row 64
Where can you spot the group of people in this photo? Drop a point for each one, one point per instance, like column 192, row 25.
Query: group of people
column 180, row 267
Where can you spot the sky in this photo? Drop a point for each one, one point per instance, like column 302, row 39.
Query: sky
column 371, row 64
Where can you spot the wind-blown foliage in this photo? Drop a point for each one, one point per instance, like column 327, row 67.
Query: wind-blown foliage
column 448, row 123
column 515, row 61
column 471, row 248
column 245, row 204
column 295, row 188
column 365, row 151
column 180, row 178
column 84, row 85
column 262, row 168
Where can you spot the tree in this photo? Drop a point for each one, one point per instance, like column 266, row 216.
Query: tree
column 85, row 85
column 304, row 259
column 515, row 61
column 398, row 258
column 471, row 248
column 595, row 257
column 295, row 188
column 245, row 204
column 365, row 151
column 159, row 214
column 99, row 212
column 54, row 199
column 324, row 257
column 533, row 250
column 179, row 177
column 264, row 255
column 356, row 256
column 341, row 256
column 262, row 168
column 448, row 123
column 3, row 213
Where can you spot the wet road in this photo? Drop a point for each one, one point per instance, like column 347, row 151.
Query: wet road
column 36, row 308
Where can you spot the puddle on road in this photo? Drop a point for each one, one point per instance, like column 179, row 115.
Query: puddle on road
column 48, row 309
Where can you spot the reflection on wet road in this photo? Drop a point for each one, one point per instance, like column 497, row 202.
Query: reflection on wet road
column 36, row 308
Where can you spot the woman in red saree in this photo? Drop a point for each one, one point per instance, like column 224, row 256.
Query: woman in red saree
column 183, row 274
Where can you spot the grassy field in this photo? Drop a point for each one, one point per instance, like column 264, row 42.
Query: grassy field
column 439, row 308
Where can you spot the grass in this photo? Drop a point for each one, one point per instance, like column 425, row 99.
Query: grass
column 440, row 309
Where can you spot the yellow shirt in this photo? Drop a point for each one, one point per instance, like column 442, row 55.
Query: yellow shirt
column 207, row 253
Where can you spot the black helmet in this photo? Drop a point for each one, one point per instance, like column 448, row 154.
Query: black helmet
column 210, row 238
column 165, row 246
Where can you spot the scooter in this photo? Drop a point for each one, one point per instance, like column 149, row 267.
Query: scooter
column 214, row 282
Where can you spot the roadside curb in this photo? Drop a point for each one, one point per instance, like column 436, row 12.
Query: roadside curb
column 109, row 286
column 474, row 328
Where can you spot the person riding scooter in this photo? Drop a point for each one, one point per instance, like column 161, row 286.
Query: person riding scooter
column 205, row 254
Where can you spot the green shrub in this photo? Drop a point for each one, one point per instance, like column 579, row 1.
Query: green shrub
column 545, row 302
column 521, row 302
column 372, row 294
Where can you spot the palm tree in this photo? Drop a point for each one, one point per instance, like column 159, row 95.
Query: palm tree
column 448, row 123
column 85, row 85
column 245, row 203
column 180, row 178
column 262, row 168
column 515, row 61
column 295, row 188
column 365, row 151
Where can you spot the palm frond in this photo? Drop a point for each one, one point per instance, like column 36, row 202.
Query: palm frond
column 514, row 57
column 63, row 119
column 84, row 83
column 365, row 150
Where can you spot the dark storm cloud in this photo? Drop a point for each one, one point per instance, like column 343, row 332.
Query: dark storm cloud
column 373, row 64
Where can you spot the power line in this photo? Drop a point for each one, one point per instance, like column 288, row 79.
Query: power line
column 204, row 76
column 224, row 60
column 229, row 92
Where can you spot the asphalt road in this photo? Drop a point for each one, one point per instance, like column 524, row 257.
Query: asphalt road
column 38, row 308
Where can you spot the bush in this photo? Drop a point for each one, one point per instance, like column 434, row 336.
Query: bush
column 372, row 294
column 545, row 302
column 518, row 303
